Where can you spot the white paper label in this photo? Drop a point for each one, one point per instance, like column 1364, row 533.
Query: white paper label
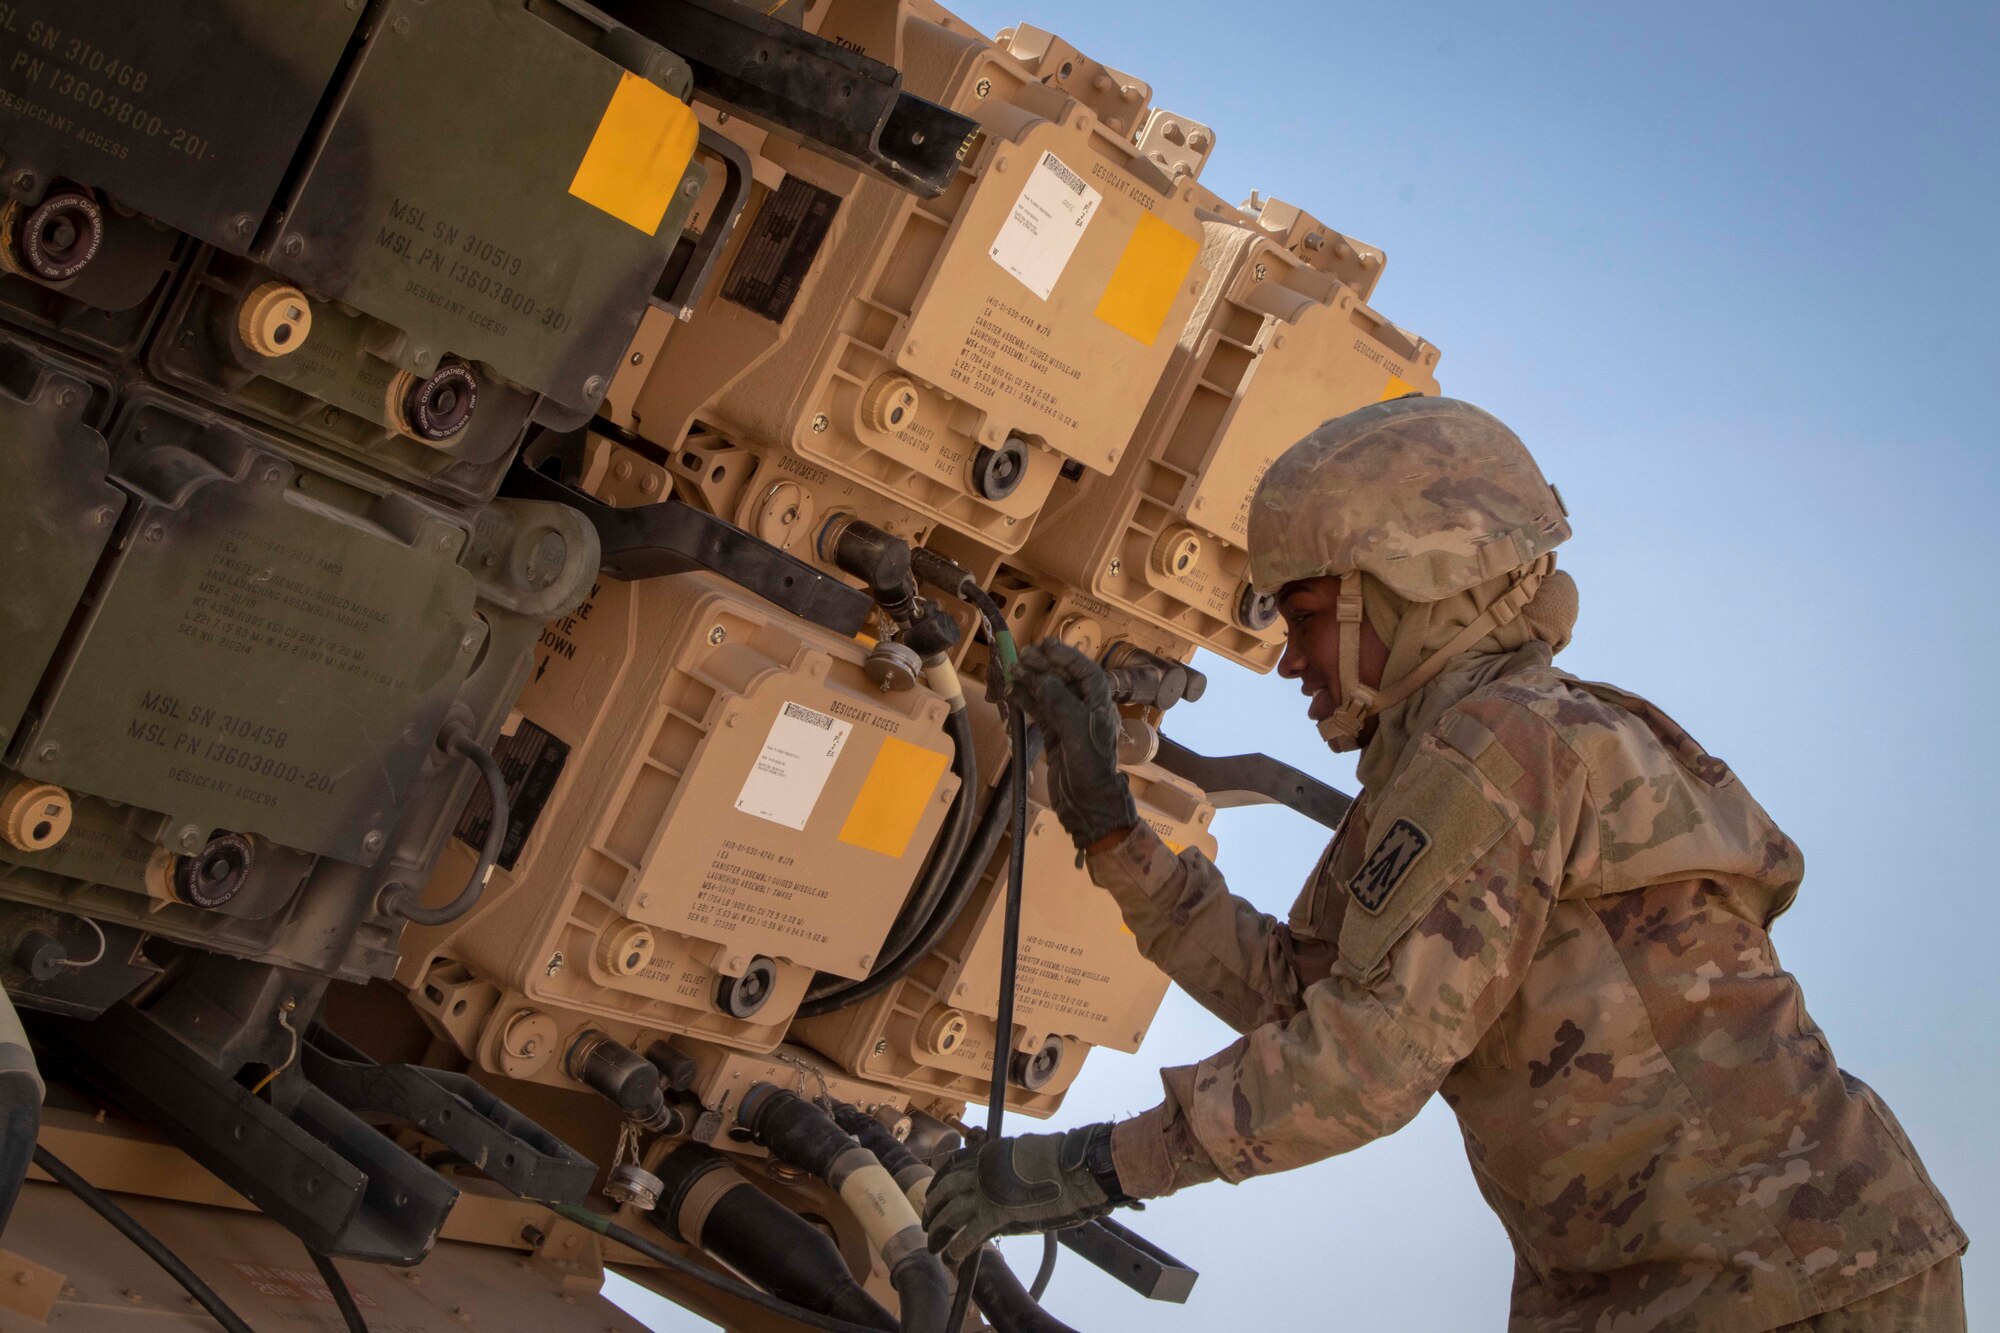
column 798, row 757
column 1040, row 235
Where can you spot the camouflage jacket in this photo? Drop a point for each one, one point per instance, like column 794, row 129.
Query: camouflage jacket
column 1555, row 913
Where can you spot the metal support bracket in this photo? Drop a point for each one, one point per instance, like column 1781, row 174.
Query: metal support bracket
column 655, row 540
column 845, row 104
column 484, row 1131
column 1255, row 779
column 1132, row 1259
column 317, row 1169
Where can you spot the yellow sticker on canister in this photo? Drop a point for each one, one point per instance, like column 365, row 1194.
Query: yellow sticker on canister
column 893, row 796
column 1398, row 387
column 643, row 144
column 1147, row 278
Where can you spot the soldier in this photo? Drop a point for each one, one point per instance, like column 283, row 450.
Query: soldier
column 1548, row 904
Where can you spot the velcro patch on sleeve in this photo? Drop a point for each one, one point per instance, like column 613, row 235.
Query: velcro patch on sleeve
column 1437, row 822
column 1394, row 853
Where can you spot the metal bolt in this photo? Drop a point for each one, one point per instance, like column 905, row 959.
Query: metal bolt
column 691, row 189
column 422, row 356
column 294, row 246
column 155, row 533
column 638, row 358
column 984, row 87
column 401, row 25
column 882, row 1046
column 1314, row 240
column 468, row 643
column 717, row 635
column 593, row 386
column 105, row 515
column 555, row 964
column 444, row 541
column 24, row 181
column 241, row 224
column 1262, row 271
column 645, row 900
column 189, row 838
column 820, row 423
column 1116, row 564
column 66, row 397
column 373, row 842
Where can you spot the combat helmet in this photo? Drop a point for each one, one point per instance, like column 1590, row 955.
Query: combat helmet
column 1429, row 496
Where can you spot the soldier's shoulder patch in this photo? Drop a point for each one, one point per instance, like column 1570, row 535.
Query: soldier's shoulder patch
column 1394, row 853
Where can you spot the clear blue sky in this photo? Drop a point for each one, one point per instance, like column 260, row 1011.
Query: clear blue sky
column 1730, row 271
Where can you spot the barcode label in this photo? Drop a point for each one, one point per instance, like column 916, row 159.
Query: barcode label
column 804, row 714
column 1046, row 224
column 1063, row 173
column 790, row 772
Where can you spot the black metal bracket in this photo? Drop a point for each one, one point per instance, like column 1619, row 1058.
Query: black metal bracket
column 314, row 1167
column 847, row 105
column 1132, row 1259
column 470, row 1121
column 693, row 263
column 655, row 540
column 1255, row 779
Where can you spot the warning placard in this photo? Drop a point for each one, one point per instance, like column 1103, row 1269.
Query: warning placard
column 792, row 769
column 1041, row 233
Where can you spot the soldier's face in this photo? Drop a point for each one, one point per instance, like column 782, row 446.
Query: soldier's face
column 1312, row 644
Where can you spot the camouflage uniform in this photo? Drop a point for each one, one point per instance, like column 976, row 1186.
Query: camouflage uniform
column 1552, row 906
column 1555, row 914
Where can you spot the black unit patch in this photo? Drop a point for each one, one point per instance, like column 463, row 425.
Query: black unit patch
column 531, row 760
column 780, row 247
column 1385, row 867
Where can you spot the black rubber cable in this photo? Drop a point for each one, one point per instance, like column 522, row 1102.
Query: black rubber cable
column 687, row 1268
column 343, row 1298
column 1010, row 948
column 155, row 1249
column 1051, row 1247
column 401, row 900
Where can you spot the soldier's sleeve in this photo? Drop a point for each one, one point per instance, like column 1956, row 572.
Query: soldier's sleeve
column 1468, row 851
column 1243, row 966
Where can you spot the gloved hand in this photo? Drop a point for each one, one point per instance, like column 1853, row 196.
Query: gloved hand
column 1013, row 1185
column 1069, row 698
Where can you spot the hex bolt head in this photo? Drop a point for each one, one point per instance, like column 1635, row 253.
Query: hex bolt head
column 820, row 423
column 984, row 87
column 593, row 387
column 373, row 842
column 294, row 246
column 717, row 635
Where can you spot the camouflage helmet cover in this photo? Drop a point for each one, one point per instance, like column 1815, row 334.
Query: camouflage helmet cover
column 1431, row 496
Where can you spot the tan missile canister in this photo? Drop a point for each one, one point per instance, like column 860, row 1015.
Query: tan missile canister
column 712, row 802
column 1276, row 346
column 949, row 353
column 1082, row 981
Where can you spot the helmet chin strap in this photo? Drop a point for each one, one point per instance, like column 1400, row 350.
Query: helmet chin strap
column 1342, row 730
